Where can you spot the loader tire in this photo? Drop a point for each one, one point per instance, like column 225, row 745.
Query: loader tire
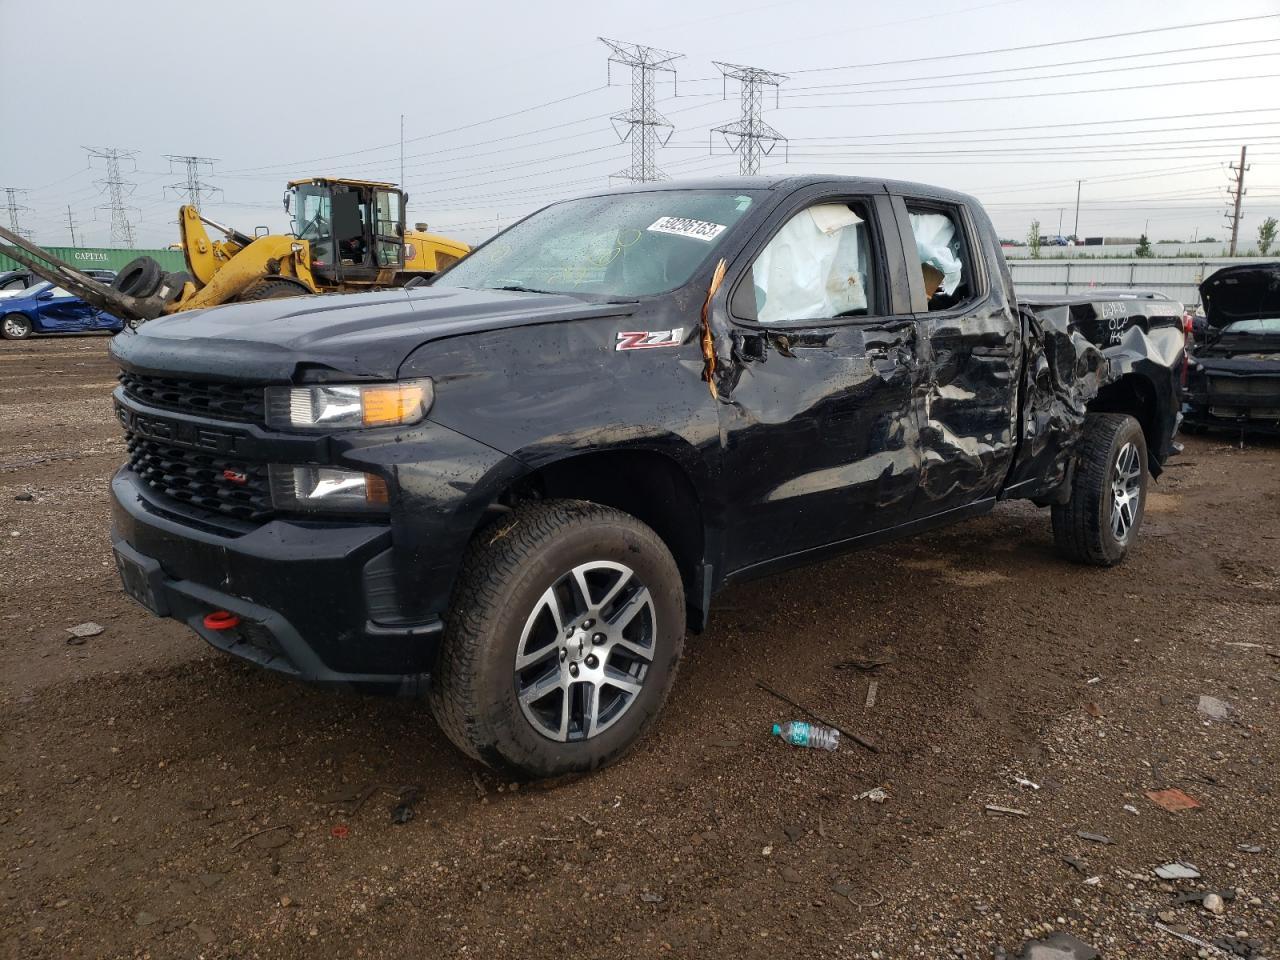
column 140, row 277
column 1100, row 522
column 275, row 288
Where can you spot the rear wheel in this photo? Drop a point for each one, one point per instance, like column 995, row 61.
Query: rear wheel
column 273, row 289
column 1100, row 522
column 15, row 326
column 562, row 641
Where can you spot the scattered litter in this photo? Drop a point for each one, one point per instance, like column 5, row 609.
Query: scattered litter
column 1172, row 800
column 144, row 919
column 1093, row 710
column 861, row 741
column 1178, row 870
column 866, row 666
column 1213, row 708
column 1094, row 680
column 1024, row 782
column 872, row 688
column 481, row 792
column 650, row 897
column 1130, row 808
column 1095, row 837
column 340, row 831
column 1248, row 848
column 403, row 812
column 1093, row 881
column 83, row 631
column 800, row 733
column 875, row 795
column 1076, row 864
column 1194, row 941
column 1239, row 946
column 274, row 836
column 1005, row 811
column 1058, row 946
column 1214, row 904
column 1243, row 644
column 24, row 498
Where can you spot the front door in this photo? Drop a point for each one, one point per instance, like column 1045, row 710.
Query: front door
column 61, row 310
column 818, row 421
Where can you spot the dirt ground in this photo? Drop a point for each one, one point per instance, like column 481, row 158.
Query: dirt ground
column 159, row 799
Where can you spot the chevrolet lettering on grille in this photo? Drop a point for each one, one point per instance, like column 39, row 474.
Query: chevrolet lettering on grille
column 175, row 431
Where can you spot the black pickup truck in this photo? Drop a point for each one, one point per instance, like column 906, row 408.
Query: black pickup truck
column 519, row 487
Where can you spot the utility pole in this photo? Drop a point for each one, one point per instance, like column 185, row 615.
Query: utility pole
column 643, row 121
column 1238, row 191
column 14, row 208
column 747, row 135
column 401, row 151
column 117, row 189
column 1060, row 221
column 1075, row 231
column 193, row 188
column 71, row 225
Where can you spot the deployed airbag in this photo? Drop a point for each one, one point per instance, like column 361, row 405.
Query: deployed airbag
column 812, row 268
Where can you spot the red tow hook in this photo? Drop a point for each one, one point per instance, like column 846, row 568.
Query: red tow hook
column 221, row 620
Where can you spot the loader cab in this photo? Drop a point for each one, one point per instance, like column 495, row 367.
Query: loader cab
column 355, row 229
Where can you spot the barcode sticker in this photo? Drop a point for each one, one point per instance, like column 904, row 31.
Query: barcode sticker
column 684, row 227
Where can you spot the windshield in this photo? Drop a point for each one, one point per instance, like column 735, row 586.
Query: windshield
column 313, row 221
column 620, row 245
column 1263, row 325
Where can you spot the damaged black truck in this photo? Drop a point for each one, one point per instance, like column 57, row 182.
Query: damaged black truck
column 517, row 488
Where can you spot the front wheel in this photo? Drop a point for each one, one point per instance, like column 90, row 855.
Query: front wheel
column 1100, row 522
column 562, row 639
column 15, row 327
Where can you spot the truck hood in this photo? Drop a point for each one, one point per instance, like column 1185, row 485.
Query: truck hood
column 1243, row 292
column 365, row 335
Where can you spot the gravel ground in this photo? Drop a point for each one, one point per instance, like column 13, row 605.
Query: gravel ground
column 159, row 799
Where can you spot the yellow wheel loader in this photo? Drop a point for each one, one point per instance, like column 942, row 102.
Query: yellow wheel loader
column 348, row 235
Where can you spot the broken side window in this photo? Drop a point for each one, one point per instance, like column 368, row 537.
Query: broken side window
column 815, row 267
column 940, row 248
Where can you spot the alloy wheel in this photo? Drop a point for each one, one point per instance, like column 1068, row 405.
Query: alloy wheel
column 585, row 651
column 1126, row 491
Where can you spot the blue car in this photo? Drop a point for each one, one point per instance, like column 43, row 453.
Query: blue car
column 44, row 308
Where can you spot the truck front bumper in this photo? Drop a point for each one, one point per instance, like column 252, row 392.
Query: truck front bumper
column 306, row 593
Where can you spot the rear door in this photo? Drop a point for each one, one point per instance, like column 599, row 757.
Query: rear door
column 818, row 415
column 971, row 350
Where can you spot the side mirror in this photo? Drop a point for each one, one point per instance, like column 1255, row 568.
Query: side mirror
column 47, row 295
column 400, row 229
column 261, row 232
column 288, row 196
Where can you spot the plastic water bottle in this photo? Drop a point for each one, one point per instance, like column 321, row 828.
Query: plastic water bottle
column 801, row 733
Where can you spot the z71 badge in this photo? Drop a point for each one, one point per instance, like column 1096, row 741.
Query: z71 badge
column 649, row 339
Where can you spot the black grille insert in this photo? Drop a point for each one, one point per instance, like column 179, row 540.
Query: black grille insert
column 220, row 401
column 233, row 488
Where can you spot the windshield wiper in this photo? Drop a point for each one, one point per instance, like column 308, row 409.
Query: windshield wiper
column 515, row 287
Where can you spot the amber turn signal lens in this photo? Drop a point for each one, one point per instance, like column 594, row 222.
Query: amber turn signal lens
column 375, row 489
column 393, row 403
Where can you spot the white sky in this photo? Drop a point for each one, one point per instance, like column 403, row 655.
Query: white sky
column 280, row 91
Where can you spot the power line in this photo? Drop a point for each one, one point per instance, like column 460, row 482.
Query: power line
column 117, row 189
column 193, row 188
column 842, row 91
column 1038, row 46
column 71, row 225
column 933, row 102
column 1238, row 191
column 748, row 135
column 642, row 121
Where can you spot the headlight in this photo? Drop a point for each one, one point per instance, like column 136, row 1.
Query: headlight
column 341, row 406
column 326, row 488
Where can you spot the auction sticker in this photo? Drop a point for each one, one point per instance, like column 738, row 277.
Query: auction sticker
column 684, row 227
